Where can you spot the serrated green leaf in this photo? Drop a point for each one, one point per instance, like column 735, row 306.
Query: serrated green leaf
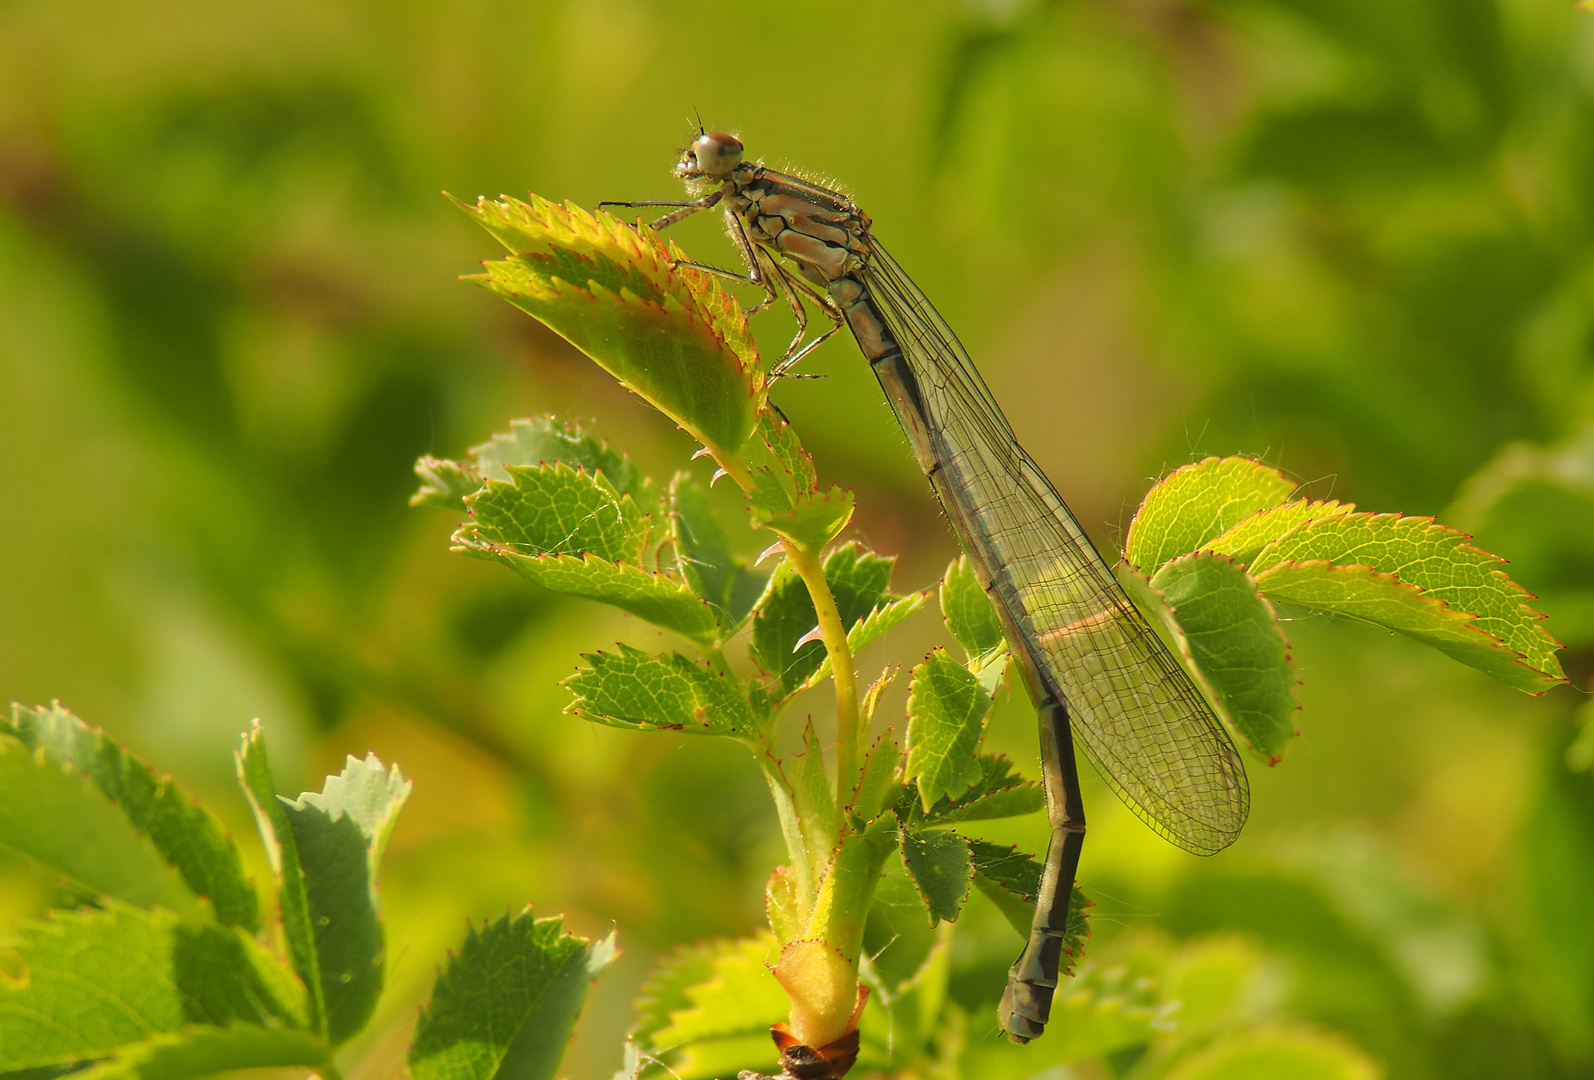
column 878, row 786
column 703, row 554
column 813, row 521
column 1359, row 592
column 898, row 938
column 658, row 598
column 1236, row 641
column 543, row 440
column 939, row 863
column 444, row 483
column 967, row 609
column 1246, row 540
column 187, row 834
column 617, row 293
column 324, row 848
column 999, row 793
column 86, row 984
column 1437, row 560
column 634, row 689
column 505, row 1006
column 858, row 580
column 1198, row 503
column 782, row 471
column 1261, row 1055
column 56, row 816
column 720, row 1016
column 205, row 1051
column 1011, row 879
column 946, row 719
column 555, row 510
column 814, row 799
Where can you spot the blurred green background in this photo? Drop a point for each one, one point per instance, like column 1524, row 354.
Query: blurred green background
column 1351, row 237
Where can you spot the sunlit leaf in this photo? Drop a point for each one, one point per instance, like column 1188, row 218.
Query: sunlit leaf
column 946, row 719
column 615, row 292
column 634, row 689
column 1198, row 503
column 150, row 972
column 658, row 598
column 57, row 816
column 898, row 937
column 325, row 848
column 879, row 622
column 1244, row 541
column 998, row 793
column 555, row 510
column 1441, row 563
column 967, row 609
column 505, row 1006
column 543, row 440
column 717, row 1001
column 1236, row 641
column 858, row 579
column 878, row 787
column 813, row 797
column 1360, row 592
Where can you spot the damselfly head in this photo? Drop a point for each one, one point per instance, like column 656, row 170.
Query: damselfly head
column 711, row 154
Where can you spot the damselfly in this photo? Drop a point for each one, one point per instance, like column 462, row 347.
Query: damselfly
column 1095, row 669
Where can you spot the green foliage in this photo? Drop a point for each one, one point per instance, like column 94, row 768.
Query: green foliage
column 703, row 553
column 675, row 338
column 946, row 718
column 506, row 1004
column 182, row 832
column 171, row 990
column 969, row 616
column 150, row 972
column 1235, row 640
column 660, row 693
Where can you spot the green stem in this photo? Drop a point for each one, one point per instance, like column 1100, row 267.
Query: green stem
column 834, row 634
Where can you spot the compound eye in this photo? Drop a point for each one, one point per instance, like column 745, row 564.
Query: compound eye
column 717, row 153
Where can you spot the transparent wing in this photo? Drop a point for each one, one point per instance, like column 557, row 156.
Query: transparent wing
column 1136, row 712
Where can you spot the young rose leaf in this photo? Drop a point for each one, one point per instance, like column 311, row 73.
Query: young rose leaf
column 555, row 510
column 150, row 972
column 783, row 472
column 669, row 333
column 56, row 815
column 187, row 834
column 967, row 609
column 812, row 522
column 843, row 903
column 814, row 800
column 1441, row 563
column 941, row 868
column 633, row 689
column 325, row 847
column 946, row 718
column 1011, row 880
column 703, row 555
column 1359, row 592
column 1245, row 540
column 1198, row 503
column 878, row 787
column 505, row 1006
column 658, row 598
column 204, row 1050
column 543, row 440
column 444, row 483
column 1236, row 641
column 857, row 578
column 899, row 937
column 999, row 793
